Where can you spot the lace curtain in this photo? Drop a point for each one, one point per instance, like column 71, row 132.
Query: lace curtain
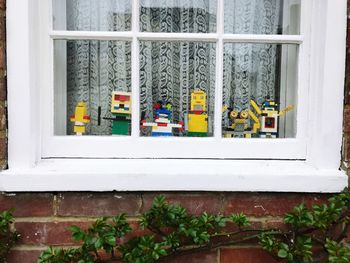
column 96, row 68
column 169, row 71
column 251, row 71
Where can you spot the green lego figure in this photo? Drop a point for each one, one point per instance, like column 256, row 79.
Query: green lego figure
column 121, row 112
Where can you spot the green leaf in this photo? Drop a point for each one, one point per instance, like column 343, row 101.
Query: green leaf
column 282, row 253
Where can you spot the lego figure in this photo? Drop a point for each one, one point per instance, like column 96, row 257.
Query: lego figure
column 244, row 124
column 196, row 121
column 269, row 116
column 80, row 118
column 162, row 125
column 121, row 113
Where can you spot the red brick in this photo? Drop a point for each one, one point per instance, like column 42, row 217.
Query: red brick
column 3, row 148
column 267, row 204
column 98, row 204
column 47, row 233
column 3, row 86
column 315, row 199
column 203, row 257
column 2, row 58
column 348, row 36
column 275, row 224
column 347, row 72
column 2, row 27
column 346, row 149
column 245, row 255
column 24, row 256
column 346, row 122
column 194, row 203
column 260, row 204
column 28, row 204
column 2, row 118
column 200, row 257
column 2, row 4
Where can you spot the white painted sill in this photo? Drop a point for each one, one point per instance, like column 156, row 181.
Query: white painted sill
column 172, row 175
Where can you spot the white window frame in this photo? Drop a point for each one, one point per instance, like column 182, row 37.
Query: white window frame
column 39, row 161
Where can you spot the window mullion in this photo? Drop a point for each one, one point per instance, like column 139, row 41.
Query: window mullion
column 219, row 71
column 135, row 61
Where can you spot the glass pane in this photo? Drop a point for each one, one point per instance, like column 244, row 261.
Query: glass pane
column 186, row 16
column 92, row 87
column 262, row 17
column 92, row 15
column 177, row 86
column 260, row 89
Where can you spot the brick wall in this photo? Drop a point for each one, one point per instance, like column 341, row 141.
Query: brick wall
column 43, row 218
column 3, row 124
column 346, row 124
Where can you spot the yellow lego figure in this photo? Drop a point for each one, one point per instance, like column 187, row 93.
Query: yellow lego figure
column 80, row 118
column 241, row 124
column 197, row 119
column 121, row 113
column 269, row 115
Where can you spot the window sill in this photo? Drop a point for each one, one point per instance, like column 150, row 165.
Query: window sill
column 172, row 175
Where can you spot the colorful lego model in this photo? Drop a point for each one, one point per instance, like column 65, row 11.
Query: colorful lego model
column 269, row 117
column 245, row 124
column 162, row 125
column 196, row 121
column 121, row 113
column 80, row 118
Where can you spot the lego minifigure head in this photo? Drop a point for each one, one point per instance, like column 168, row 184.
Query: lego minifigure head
column 121, row 102
column 269, row 105
column 198, row 100
column 162, row 110
column 81, row 113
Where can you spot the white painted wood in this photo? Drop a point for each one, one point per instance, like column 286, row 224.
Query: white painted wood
column 326, row 84
column 60, row 71
column 173, row 175
column 278, row 39
column 21, row 75
column 91, row 35
column 135, row 71
column 207, row 37
column 173, row 147
column 303, row 73
column 46, row 69
column 289, row 76
column 320, row 95
column 219, row 81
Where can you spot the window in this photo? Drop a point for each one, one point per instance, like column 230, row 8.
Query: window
column 237, row 83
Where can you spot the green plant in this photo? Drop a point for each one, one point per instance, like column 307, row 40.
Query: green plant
column 8, row 236
column 311, row 235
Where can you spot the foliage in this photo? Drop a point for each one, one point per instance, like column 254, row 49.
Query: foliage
column 8, row 236
column 311, row 235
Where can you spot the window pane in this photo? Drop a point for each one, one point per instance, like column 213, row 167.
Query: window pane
column 262, row 16
column 259, row 77
column 185, row 16
column 92, row 15
column 183, row 75
column 92, row 87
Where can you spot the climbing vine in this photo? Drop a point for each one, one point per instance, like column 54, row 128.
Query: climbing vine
column 310, row 235
column 8, row 236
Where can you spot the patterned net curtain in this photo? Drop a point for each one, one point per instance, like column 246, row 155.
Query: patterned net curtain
column 251, row 71
column 169, row 71
column 96, row 68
